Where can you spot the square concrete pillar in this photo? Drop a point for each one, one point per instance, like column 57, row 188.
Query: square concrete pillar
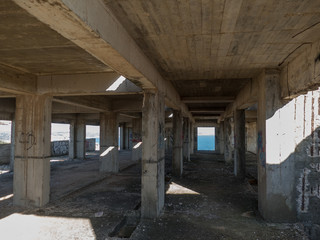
column 109, row 161
column 281, row 149
column 227, row 140
column 191, row 138
column 136, row 139
column 12, row 144
column 72, row 140
column 80, row 138
column 177, row 160
column 31, row 182
column 221, row 138
column 239, row 143
column 153, row 185
column 186, row 139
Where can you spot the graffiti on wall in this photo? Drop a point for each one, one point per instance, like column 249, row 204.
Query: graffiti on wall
column 59, row 148
column 28, row 139
column 261, row 150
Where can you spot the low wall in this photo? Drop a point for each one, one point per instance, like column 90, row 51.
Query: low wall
column 5, row 152
column 59, row 148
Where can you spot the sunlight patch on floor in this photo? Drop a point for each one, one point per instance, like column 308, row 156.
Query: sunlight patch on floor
column 175, row 188
column 29, row 227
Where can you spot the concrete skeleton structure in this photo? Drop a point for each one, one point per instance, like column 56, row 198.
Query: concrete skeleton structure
column 248, row 68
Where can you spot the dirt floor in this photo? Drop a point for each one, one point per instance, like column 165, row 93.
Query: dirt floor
column 208, row 202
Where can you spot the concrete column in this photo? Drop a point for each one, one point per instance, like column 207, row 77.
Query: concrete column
column 80, row 139
column 284, row 133
column 195, row 139
column 177, row 160
column 240, row 143
column 217, row 140
column 72, row 140
column 191, row 138
column 12, row 144
column 31, row 182
column 136, row 139
column 121, row 137
column 221, row 138
column 227, row 141
column 153, row 185
column 109, row 142
column 186, row 139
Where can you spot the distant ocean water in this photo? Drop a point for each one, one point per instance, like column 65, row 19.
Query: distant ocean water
column 206, row 142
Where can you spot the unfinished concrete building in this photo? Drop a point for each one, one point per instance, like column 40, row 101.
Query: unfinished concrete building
column 158, row 70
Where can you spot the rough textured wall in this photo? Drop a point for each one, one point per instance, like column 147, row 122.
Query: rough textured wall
column 5, row 151
column 251, row 137
column 59, row 148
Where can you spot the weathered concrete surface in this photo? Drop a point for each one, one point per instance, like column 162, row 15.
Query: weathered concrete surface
column 177, row 158
column 228, row 139
column 80, row 138
column 5, row 153
column 239, row 143
column 221, row 137
column 251, row 137
column 109, row 142
column 136, row 139
column 153, row 186
column 32, row 150
column 186, row 139
column 288, row 153
column 301, row 73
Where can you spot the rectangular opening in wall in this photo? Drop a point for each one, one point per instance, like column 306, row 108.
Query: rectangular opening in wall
column 206, row 138
column 92, row 138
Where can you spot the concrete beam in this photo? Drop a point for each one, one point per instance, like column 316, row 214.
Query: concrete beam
column 126, row 105
column 302, row 73
column 247, row 97
column 93, row 103
column 88, row 24
column 17, row 82
column 207, row 110
column 85, row 84
column 207, row 99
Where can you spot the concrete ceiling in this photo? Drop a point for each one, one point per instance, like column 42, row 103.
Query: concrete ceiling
column 31, row 46
column 208, row 49
column 212, row 47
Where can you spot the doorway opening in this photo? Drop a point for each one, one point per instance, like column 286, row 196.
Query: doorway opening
column 206, row 138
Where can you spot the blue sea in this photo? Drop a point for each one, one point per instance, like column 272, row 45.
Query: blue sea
column 206, row 142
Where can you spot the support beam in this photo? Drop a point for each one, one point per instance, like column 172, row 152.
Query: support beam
column 93, row 103
column 177, row 160
column 72, row 141
column 80, row 138
column 186, row 139
column 77, row 84
column 191, row 138
column 16, row 82
column 153, row 185
column 208, row 99
column 239, row 143
column 109, row 161
column 228, row 136
column 137, row 139
column 214, row 110
column 88, row 24
column 31, row 182
column 221, row 138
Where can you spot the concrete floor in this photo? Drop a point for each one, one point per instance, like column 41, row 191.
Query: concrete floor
column 207, row 203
